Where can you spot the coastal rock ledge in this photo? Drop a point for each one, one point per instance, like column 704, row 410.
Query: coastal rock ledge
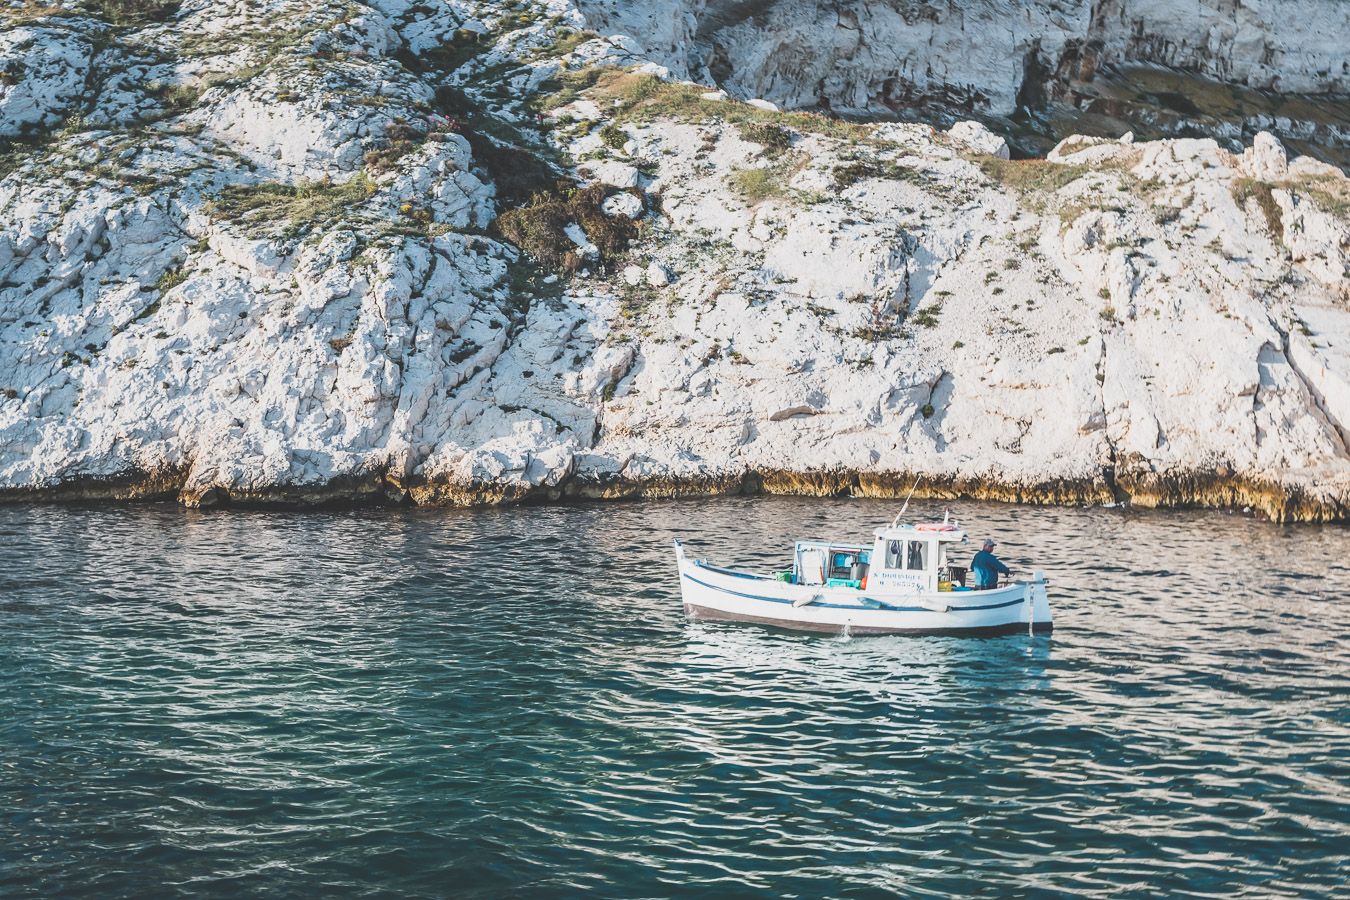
column 297, row 252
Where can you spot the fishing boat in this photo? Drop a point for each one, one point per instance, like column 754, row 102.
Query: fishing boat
column 906, row 581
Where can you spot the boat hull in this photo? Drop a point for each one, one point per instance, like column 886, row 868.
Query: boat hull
column 713, row 594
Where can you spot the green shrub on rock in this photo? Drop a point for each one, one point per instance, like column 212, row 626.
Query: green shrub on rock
column 401, row 139
column 775, row 139
column 756, row 185
column 540, row 227
column 613, row 136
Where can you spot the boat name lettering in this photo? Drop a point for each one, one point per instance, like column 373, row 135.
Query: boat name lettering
column 901, row 579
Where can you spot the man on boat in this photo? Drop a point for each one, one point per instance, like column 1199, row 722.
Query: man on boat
column 987, row 567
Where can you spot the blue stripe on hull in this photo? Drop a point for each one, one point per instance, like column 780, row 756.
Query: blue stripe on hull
column 707, row 614
column 884, row 608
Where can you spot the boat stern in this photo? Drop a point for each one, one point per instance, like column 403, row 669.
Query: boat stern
column 1037, row 611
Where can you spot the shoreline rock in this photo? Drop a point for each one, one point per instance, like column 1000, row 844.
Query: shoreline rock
column 324, row 304
column 1278, row 504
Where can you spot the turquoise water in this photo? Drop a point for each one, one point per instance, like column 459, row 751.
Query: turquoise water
column 510, row 703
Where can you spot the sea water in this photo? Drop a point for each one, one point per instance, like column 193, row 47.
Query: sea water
column 510, row 703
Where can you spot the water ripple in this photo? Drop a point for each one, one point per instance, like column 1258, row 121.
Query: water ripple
column 422, row 703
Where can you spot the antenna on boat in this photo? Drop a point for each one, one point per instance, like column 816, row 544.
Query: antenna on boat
column 896, row 521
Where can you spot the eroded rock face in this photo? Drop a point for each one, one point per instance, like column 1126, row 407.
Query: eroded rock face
column 261, row 266
column 1078, row 344
column 1286, row 45
column 986, row 55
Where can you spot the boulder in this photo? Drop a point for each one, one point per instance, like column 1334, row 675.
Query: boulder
column 1266, row 159
column 1307, row 167
column 616, row 174
column 979, row 138
column 623, row 205
column 1081, row 149
column 657, row 274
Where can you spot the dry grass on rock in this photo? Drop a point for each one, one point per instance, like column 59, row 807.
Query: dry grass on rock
column 646, row 98
column 756, row 185
column 539, row 227
column 134, row 12
column 261, row 206
column 1030, row 176
column 1246, row 189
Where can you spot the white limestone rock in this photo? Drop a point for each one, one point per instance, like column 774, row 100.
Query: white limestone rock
column 905, row 134
column 584, row 248
column 1318, row 241
column 42, row 73
column 1266, row 158
column 1082, row 149
column 1307, row 167
column 613, row 173
column 979, row 138
column 873, row 58
column 212, row 302
column 622, row 205
column 657, row 275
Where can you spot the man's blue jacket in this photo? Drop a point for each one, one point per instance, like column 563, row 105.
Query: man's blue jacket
column 987, row 568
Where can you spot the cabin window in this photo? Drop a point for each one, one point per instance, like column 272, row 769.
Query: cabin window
column 918, row 556
column 895, row 554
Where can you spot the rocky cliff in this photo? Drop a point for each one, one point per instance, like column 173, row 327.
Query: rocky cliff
column 463, row 252
column 991, row 55
column 1234, row 68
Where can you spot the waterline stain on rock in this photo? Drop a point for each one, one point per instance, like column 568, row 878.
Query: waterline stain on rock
column 1207, row 491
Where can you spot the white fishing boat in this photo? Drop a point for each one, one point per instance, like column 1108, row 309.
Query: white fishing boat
column 906, row 581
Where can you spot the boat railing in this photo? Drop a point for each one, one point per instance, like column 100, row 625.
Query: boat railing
column 704, row 564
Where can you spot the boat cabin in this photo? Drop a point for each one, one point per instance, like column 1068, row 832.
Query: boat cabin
column 831, row 565
column 903, row 559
